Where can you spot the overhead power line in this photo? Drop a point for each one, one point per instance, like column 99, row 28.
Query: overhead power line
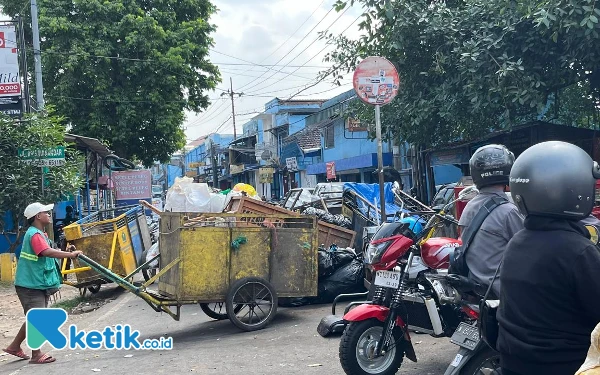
column 294, row 47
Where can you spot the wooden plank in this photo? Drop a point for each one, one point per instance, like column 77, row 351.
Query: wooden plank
column 169, row 246
column 332, row 234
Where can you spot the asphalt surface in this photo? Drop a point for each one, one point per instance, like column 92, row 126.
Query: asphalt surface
column 289, row 345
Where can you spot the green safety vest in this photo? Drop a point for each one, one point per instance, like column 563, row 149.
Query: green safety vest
column 36, row 272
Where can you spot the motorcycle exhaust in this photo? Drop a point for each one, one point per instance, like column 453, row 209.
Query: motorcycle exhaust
column 434, row 316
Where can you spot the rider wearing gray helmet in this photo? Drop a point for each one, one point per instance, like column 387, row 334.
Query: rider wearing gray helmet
column 490, row 168
column 550, row 296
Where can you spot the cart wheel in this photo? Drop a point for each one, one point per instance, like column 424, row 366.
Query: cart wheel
column 258, row 302
column 94, row 288
column 217, row 310
column 148, row 273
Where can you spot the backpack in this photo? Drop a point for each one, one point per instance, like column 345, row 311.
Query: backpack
column 458, row 261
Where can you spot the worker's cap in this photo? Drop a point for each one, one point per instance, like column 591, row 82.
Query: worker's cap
column 35, row 208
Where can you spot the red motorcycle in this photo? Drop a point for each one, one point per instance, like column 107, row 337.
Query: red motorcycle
column 377, row 338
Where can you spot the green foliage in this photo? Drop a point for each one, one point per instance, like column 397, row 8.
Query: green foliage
column 135, row 103
column 468, row 67
column 22, row 183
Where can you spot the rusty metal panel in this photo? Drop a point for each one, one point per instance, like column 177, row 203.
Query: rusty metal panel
column 204, row 263
column 294, row 262
column 169, row 246
column 252, row 257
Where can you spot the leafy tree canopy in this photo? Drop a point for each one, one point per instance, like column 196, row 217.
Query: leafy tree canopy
column 22, row 183
column 124, row 71
column 468, row 67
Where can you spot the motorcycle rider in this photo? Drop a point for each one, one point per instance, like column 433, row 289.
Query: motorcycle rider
column 550, row 296
column 490, row 168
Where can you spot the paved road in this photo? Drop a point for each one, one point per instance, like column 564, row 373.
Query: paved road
column 289, row 345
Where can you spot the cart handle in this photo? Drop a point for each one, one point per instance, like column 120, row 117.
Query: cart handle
column 109, row 274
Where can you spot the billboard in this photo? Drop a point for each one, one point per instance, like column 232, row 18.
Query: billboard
column 133, row 184
column 10, row 84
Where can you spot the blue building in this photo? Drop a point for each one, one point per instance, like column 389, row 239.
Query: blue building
column 261, row 147
column 290, row 118
column 198, row 159
column 330, row 137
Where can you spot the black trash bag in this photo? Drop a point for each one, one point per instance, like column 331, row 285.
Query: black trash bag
column 339, row 220
column 325, row 262
column 342, row 257
column 346, row 279
column 295, row 301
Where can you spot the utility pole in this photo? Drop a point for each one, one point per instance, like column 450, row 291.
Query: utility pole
column 231, row 93
column 37, row 56
column 214, row 165
column 21, row 39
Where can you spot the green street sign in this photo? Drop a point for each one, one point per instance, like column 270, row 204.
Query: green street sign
column 43, row 157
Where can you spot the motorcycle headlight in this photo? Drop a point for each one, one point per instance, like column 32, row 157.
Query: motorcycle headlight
column 375, row 252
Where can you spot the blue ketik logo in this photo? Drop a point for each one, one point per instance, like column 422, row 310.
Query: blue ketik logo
column 43, row 325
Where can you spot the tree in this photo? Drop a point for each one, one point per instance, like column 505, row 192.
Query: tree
column 23, row 182
column 468, row 67
column 124, row 71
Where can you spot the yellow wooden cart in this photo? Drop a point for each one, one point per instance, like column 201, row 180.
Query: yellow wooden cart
column 115, row 239
column 239, row 263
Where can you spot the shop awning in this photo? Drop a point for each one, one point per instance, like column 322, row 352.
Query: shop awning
column 91, row 144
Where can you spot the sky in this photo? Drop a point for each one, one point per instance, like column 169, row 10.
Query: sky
column 269, row 49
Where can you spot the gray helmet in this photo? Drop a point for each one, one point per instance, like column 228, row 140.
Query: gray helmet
column 554, row 179
column 490, row 165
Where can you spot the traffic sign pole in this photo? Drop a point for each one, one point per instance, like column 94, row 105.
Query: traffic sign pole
column 376, row 82
column 380, row 162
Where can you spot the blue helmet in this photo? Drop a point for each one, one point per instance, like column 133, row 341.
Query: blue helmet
column 414, row 224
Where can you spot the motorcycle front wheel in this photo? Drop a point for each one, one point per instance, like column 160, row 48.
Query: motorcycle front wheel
column 486, row 362
column 358, row 346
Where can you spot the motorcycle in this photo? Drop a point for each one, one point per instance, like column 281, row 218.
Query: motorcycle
column 152, row 254
column 474, row 357
column 377, row 338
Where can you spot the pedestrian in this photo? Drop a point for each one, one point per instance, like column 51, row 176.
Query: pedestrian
column 550, row 295
column 37, row 276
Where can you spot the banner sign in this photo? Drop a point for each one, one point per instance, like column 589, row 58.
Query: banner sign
column 133, row 184
column 10, row 84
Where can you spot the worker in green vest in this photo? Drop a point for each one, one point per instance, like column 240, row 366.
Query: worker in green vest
column 37, row 276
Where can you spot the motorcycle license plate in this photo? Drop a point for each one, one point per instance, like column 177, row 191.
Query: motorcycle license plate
column 388, row 279
column 466, row 336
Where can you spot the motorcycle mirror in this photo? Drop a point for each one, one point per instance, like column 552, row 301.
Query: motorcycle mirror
column 469, row 190
column 596, row 171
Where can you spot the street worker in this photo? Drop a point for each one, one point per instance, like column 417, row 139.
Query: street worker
column 550, row 295
column 490, row 168
column 37, row 276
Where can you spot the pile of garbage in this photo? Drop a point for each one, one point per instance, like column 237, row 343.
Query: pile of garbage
column 187, row 196
column 339, row 220
column 341, row 271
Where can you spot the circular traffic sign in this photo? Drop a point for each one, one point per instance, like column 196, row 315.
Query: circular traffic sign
column 376, row 81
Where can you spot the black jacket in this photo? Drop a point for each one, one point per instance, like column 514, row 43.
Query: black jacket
column 550, row 298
